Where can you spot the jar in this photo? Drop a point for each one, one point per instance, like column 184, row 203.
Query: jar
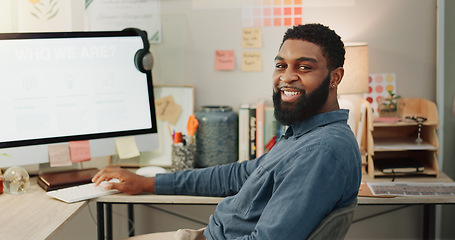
column 216, row 136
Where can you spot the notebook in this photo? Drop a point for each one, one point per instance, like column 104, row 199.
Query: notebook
column 57, row 180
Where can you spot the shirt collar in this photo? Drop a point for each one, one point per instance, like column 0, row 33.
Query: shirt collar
column 315, row 121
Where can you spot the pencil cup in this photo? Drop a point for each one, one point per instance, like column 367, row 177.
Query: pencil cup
column 183, row 157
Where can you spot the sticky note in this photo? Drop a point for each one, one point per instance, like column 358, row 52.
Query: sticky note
column 224, row 60
column 79, row 151
column 252, row 61
column 126, row 147
column 59, row 155
column 173, row 113
column 167, row 109
column 252, row 38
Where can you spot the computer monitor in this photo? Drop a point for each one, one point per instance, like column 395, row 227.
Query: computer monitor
column 70, row 86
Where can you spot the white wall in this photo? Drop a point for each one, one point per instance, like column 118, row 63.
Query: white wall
column 401, row 35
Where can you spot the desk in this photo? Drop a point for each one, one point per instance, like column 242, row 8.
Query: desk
column 33, row 215
column 104, row 204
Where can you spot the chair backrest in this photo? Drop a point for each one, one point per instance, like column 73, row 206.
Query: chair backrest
column 335, row 225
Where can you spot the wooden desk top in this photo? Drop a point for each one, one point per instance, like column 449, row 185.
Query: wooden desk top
column 33, row 214
column 172, row 199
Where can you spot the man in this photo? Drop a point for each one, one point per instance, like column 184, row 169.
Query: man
column 314, row 168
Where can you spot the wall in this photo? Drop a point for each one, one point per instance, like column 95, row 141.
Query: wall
column 400, row 41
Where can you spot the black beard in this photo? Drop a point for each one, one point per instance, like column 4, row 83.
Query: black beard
column 307, row 106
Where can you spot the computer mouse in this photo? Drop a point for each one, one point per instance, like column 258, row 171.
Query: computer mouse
column 150, row 171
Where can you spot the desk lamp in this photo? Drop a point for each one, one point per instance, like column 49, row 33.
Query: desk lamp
column 354, row 82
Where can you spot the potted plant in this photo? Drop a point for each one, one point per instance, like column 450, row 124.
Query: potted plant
column 388, row 107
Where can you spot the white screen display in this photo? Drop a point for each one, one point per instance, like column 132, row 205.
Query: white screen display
column 58, row 87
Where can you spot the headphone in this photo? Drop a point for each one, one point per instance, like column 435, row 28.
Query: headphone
column 143, row 59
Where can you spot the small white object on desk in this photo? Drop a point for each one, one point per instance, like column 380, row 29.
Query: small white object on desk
column 150, row 171
column 82, row 192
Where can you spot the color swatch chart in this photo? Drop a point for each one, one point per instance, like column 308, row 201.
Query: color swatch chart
column 379, row 87
column 272, row 13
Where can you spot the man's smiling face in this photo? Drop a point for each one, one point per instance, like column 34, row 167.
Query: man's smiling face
column 301, row 81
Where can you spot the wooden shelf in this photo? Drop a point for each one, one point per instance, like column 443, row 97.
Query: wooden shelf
column 401, row 144
column 396, row 140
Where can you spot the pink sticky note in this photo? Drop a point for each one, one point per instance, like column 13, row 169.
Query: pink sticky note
column 80, row 151
column 224, row 60
column 59, row 155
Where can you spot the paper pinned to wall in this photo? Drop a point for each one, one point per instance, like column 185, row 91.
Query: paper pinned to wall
column 252, row 37
column 252, row 61
column 224, row 60
column 114, row 15
column 167, row 109
column 6, row 17
column 379, row 85
column 44, row 16
column 59, row 155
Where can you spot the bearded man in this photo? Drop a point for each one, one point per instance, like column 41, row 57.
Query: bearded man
column 313, row 169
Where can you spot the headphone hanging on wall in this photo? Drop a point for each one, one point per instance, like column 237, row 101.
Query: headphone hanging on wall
column 143, row 59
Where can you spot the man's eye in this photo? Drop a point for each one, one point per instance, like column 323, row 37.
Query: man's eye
column 279, row 66
column 304, row 67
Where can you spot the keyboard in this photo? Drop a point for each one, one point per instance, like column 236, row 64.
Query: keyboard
column 81, row 192
column 412, row 188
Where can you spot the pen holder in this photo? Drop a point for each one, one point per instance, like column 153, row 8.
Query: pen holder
column 183, row 156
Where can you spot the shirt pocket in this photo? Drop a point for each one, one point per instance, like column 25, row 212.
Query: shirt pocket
column 248, row 194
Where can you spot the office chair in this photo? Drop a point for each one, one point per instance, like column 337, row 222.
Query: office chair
column 335, row 225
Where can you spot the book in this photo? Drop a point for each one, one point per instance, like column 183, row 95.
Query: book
column 244, row 131
column 57, row 180
column 270, row 128
column 252, row 132
column 260, row 121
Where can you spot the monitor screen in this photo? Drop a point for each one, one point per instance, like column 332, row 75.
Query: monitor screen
column 61, row 87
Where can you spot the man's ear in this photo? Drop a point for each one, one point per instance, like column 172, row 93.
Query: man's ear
column 336, row 76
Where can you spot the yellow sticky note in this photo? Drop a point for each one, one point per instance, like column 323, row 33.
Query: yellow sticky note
column 59, row 155
column 126, row 147
column 252, row 61
column 224, row 60
column 80, row 151
column 252, row 38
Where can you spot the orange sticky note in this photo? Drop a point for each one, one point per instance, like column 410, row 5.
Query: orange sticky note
column 80, row 151
column 224, row 60
column 59, row 155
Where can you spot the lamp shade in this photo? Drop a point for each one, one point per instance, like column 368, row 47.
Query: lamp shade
column 355, row 79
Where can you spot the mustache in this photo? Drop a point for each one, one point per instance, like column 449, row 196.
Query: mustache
column 286, row 85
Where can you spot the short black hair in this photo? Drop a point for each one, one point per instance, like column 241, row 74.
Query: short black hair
column 331, row 45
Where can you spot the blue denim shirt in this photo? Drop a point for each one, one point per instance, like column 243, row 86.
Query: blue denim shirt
column 313, row 169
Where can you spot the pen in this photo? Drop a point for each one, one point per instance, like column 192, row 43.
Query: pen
column 170, row 132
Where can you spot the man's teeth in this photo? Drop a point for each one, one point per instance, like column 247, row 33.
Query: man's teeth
column 291, row 93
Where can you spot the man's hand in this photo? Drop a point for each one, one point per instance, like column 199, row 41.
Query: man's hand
column 130, row 183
